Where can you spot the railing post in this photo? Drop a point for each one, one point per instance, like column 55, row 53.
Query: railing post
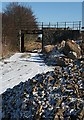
column 65, row 25
column 42, row 38
column 42, row 25
column 79, row 25
column 57, row 24
column 49, row 24
column 73, row 25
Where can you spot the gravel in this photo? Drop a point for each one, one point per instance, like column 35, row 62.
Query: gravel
column 55, row 95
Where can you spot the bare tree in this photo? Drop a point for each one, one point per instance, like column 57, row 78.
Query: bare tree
column 16, row 17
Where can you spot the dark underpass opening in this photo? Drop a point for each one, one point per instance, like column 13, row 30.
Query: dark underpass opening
column 30, row 41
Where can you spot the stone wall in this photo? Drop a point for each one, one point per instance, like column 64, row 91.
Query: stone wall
column 53, row 36
column 83, row 36
column 82, row 45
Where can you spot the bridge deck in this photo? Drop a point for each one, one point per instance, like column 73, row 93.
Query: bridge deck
column 76, row 25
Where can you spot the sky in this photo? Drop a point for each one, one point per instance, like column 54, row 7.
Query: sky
column 83, row 14
column 54, row 11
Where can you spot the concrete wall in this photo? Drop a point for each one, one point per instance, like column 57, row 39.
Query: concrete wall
column 55, row 36
column 83, row 36
column 82, row 45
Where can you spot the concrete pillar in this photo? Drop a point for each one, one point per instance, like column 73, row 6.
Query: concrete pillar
column 83, row 36
column 21, row 41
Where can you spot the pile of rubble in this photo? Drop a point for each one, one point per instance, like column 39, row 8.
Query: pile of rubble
column 71, row 49
column 55, row 95
column 58, row 54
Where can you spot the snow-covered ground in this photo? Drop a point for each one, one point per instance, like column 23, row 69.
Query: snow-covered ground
column 20, row 67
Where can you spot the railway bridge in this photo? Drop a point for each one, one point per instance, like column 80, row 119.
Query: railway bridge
column 52, row 33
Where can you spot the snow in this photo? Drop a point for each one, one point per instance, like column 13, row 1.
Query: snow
column 15, row 69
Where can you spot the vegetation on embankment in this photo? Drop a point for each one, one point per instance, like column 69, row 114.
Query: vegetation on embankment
column 15, row 17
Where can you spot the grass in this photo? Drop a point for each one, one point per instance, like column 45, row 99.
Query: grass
column 32, row 45
column 6, row 50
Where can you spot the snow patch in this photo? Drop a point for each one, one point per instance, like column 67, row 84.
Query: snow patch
column 15, row 69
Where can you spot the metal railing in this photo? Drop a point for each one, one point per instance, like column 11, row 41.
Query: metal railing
column 75, row 25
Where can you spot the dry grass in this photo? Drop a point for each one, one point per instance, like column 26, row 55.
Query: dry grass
column 0, row 50
column 6, row 51
column 31, row 45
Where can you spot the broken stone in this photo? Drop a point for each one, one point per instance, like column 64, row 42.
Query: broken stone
column 48, row 48
column 71, row 45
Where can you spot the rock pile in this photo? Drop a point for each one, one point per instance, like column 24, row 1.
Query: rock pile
column 56, row 95
column 48, row 48
column 56, row 55
column 71, row 49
